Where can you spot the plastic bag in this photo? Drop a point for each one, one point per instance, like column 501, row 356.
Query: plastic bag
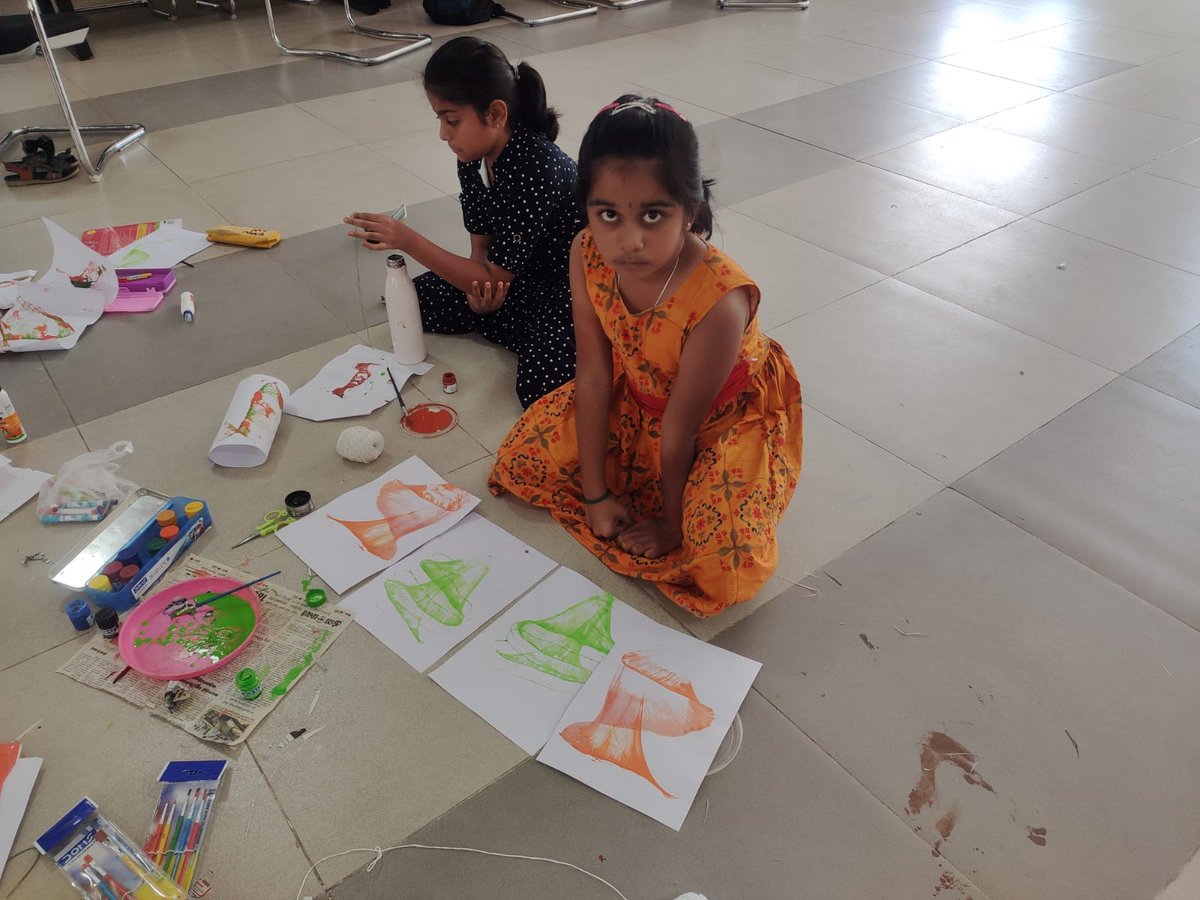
column 87, row 488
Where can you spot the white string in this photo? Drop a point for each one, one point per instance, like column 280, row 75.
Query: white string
column 379, row 855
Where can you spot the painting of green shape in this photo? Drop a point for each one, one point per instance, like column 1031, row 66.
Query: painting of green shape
column 567, row 645
column 441, row 598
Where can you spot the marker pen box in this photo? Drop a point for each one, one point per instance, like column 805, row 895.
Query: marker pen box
column 99, row 860
column 150, row 552
column 184, row 807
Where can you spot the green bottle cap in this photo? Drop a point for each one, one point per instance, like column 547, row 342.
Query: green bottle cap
column 315, row 597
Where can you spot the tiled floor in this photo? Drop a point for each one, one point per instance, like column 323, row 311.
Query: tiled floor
column 974, row 223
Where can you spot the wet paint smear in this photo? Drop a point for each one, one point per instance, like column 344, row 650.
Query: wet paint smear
column 866, row 640
column 280, row 689
column 950, row 882
column 1037, row 835
column 213, row 631
column 938, row 748
column 944, row 826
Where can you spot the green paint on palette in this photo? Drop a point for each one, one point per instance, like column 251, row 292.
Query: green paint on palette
column 280, row 689
column 214, row 631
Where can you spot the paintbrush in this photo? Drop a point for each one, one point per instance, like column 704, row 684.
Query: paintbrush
column 398, row 397
column 187, row 605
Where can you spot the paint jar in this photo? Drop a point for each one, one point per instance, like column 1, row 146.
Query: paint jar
column 299, row 504
column 168, row 533
column 193, row 509
column 165, row 518
column 155, row 545
column 10, row 422
column 449, row 383
column 99, row 588
column 108, row 622
column 128, row 573
column 247, row 682
column 80, row 614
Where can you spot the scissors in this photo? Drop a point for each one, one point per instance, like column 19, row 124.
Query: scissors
column 271, row 523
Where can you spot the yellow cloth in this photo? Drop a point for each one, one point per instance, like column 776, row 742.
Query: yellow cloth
column 748, row 449
column 244, row 236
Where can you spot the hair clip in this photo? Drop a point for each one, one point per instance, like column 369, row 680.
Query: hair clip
column 644, row 105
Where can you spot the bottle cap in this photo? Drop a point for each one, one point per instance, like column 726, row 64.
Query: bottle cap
column 395, row 261
column 193, row 509
column 99, row 583
column 155, row 545
column 165, row 518
column 128, row 573
column 168, row 533
column 315, row 597
column 80, row 614
column 113, row 569
column 108, row 621
column 128, row 556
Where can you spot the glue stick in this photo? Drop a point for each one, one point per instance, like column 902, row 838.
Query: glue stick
column 187, row 306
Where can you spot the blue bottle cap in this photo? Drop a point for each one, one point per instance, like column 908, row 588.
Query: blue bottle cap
column 128, row 556
column 80, row 614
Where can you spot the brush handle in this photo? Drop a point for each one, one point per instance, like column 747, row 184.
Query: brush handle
column 236, row 589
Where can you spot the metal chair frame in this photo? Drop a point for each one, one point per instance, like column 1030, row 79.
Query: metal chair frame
column 762, row 4
column 575, row 10
column 130, row 132
column 621, row 4
column 414, row 41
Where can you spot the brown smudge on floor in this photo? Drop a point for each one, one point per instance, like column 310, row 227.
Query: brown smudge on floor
column 951, row 882
column 866, row 640
column 946, row 823
column 1037, row 835
column 938, row 748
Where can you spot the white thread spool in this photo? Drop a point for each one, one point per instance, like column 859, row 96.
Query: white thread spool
column 359, row 444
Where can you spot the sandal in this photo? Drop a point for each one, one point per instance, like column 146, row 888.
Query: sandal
column 40, row 164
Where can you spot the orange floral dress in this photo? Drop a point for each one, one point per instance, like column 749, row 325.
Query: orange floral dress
column 748, row 449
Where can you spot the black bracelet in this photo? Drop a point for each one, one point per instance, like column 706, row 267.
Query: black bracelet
column 592, row 501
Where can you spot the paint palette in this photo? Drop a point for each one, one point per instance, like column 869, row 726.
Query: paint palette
column 429, row 419
column 191, row 644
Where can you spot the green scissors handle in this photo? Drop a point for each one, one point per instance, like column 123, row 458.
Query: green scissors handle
column 271, row 523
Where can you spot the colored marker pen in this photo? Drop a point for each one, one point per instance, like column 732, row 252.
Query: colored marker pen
column 187, row 306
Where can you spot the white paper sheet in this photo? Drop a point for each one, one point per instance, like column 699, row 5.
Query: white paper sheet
column 52, row 313
column 433, row 599
column 646, row 726
column 163, row 248
column 10, row 283
column 249, row 425
column 17, row 486
column 520, row 673
column 352, row 384
column 377, row 524
column 14, row 799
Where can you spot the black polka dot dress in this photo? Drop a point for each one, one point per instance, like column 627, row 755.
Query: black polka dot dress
column 530, row 214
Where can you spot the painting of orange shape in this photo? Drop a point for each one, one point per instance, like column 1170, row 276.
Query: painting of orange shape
column 406, row 508
column 643, row 697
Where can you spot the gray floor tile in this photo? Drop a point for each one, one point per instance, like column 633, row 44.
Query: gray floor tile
column 949, row 90
column 747, row 160
column 34, row 394
column 1175, row 369
column 248, row 310
column 86, row 112
column 188, row 102
column 349, row 278
column 1112, row 483
column 813, row 834
column 315, row 78
column 852, row 123
column 1026, row 654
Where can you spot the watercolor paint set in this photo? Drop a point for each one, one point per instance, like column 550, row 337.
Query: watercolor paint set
column 125, row 575
column 100, row 861
column 181, row 817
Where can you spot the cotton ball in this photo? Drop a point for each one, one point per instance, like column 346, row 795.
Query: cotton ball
column 359, row 444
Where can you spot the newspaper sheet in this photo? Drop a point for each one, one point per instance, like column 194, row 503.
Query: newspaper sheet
column 289, row 638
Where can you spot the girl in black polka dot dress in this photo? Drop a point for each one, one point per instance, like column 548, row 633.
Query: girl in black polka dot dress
column 518, row 204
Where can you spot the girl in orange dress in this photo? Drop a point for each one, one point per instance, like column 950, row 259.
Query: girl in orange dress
column 673, row 454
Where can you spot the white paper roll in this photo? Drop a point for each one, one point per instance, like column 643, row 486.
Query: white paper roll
column 248, row 428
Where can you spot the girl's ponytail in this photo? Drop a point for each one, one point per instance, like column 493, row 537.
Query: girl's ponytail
column 702, row 214
column 532, row 109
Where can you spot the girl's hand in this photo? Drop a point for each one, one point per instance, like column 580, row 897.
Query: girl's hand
column 484, row 300
column 652, row 538
column 378, row 231
column 607, row 518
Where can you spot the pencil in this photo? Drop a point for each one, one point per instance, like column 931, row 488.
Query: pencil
column 397, row 390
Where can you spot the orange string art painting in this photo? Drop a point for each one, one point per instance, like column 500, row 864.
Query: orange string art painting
column 642, row 697
column 406, row 508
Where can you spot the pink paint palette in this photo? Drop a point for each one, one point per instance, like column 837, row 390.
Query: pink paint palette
column 195, row 643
